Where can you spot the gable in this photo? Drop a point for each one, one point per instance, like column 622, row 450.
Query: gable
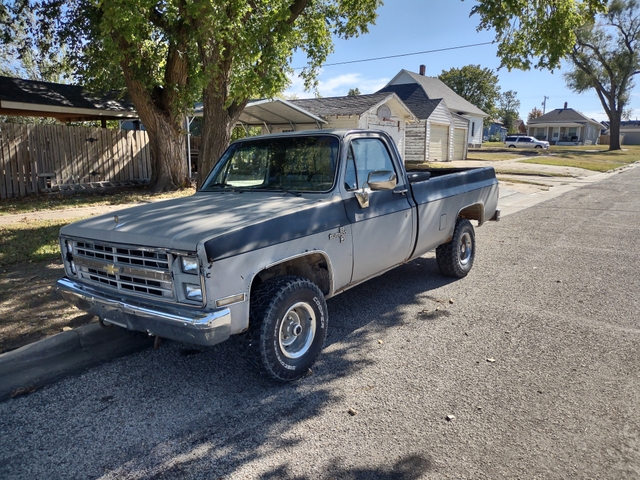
column 435, row 88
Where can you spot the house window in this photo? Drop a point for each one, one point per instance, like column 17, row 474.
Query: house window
column 473, row 129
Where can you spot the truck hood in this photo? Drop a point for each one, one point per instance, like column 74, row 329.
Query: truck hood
column 183, row 222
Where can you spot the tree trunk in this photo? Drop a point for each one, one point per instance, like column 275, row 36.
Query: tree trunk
column 217, row 126
column 166, row 139
column 614, row 130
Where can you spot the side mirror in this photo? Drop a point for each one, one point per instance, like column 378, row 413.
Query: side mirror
column 382, row 180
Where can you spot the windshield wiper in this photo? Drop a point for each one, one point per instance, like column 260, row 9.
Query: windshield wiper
column 220, row 185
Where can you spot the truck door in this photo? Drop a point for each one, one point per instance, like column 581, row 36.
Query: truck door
column 383, row 231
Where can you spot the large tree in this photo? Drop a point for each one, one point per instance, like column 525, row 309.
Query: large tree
column 606, row 57
column 169, row 53
column 475, row 84
column 535, row 34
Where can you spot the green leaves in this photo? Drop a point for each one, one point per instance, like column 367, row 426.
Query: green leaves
column 475, row 84
column 535, row 34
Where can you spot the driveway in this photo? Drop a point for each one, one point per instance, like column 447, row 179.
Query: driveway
column 527, row 368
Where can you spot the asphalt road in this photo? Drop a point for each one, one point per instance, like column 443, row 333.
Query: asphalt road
column 537, row 358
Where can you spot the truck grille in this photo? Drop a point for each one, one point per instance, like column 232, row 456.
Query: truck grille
column 128, row 269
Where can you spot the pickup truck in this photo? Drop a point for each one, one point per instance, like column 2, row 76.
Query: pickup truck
column 281, row 223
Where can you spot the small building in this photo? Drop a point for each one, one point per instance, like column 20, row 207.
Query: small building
column 439, row 135
column 630, row 131
column 495, row 129
column 381, row 111
column 565, row 126
column 436, row 89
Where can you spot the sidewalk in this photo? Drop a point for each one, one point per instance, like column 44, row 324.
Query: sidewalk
column 44, row 362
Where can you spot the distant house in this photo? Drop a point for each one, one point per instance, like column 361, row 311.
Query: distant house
column 629, row 131
column 565, row 126
column 435, row 89
column 381, row 111
column 494, row 129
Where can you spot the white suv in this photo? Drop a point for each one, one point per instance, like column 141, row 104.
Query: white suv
column 525, row 142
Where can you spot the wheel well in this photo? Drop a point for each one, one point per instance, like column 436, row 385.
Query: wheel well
column 313, row 267
column 473, row 212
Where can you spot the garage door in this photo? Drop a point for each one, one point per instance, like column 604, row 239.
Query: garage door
column 459, row 143
column 439, row 143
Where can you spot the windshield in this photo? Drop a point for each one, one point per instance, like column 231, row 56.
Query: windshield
column 290, row 164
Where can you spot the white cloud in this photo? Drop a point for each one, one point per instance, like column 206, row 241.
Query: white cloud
column 598, row 116
column 337, row 86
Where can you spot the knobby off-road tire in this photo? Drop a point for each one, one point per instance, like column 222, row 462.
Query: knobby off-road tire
column 288, row 325
column 455, row 258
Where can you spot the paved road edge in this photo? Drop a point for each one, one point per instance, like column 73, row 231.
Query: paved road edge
column 44, row 362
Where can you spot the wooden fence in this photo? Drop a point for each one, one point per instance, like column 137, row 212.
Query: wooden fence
column 37, row 158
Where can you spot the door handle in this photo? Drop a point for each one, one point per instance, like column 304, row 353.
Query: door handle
column 401, row 191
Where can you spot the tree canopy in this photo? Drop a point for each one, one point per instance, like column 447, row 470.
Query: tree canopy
column 475, row 84
column 534, row 113
column 535, row 34
column 508, row 110
column 606, row 57
column 169, row 53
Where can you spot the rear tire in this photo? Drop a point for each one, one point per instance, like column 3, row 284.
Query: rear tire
column 288, row 326
column 455, row 258
column 512, row 146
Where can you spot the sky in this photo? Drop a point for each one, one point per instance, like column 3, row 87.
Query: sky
column 408, row 26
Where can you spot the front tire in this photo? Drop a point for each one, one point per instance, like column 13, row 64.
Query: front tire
column 288, row 326
column 455, row 258
column 538, row 146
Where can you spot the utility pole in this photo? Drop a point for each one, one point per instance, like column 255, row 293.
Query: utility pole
column 544, row 104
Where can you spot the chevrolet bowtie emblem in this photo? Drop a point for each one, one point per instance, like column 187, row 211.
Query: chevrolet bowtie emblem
column 112, row 269
column 342, row 234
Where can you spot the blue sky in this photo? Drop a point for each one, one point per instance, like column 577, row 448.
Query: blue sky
column 406, row 26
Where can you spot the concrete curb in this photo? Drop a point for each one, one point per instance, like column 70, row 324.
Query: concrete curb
column 46, row 361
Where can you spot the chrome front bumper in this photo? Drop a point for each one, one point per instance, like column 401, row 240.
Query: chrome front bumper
column 181, row 324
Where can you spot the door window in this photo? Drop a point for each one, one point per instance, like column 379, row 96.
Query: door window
column 366, row 155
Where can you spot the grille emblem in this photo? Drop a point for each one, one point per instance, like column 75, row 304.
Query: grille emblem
column 112, row 269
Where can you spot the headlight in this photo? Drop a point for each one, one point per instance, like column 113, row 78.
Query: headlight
column 193, row 292
column 190, row 265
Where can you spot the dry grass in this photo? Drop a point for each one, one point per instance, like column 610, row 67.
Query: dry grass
column 590, row 157
column 30, row 241
column 60, row 201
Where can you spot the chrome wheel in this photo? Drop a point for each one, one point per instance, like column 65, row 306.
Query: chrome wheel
column 297, row 330
column 465, row 248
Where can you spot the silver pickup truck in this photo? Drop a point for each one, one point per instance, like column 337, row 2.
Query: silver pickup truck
column 281, row 223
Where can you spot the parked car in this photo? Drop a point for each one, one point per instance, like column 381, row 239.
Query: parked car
column 513, row 141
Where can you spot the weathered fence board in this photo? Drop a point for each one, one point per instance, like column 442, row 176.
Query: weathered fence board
column 35, row 158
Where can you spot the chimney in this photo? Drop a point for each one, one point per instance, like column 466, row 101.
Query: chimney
column 423, row 70
column 565, row 105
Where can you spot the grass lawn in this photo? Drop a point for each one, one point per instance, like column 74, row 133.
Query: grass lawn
column 30, row 241
column 58, row 201
column 590, row 157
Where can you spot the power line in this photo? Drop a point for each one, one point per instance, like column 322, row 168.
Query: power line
column 401, row 55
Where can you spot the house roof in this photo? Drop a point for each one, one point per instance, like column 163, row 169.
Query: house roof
column 414, row 97
column 343, row 106
column 63, row 102
column 436, row 88
column 563, row 115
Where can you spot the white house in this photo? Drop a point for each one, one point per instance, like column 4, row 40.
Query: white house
column 462, row 114
column 382, row 111
column 565, row 126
